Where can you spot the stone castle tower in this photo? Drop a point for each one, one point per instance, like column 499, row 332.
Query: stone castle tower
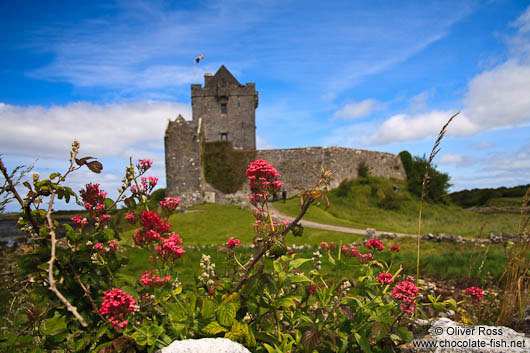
column 222, row 110
column 226, row 110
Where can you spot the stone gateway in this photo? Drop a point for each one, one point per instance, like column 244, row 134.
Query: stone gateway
column 225, row 110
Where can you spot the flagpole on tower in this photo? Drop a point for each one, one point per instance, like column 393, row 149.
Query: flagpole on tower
column 196, row 61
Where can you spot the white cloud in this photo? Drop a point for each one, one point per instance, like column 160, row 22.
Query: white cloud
column 419, row 101
column 357, row 110
column 482, row 145
column 107, row 130
column 402, row 127
column 496, row 98
column 262, row 144
column 454, row 158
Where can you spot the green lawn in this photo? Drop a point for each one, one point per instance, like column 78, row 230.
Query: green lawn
column 437, row 218
column 206, row 226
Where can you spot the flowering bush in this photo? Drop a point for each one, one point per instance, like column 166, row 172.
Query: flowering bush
column 268, row 299
column 475, row 293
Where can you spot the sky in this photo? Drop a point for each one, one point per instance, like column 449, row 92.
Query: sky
column 376, row 75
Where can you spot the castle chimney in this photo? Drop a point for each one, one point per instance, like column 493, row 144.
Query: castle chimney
column 207, row 78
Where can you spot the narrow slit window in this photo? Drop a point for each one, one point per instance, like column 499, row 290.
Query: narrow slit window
column 223, row 108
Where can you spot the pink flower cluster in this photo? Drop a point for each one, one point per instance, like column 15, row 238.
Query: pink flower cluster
column 147, row 185
column 113, row 245
column 406, row 291
column 232, row 243
column 395, row 248
column 116, row 304
column 385, row 278
column 130, row 217
column 475, row 293
column 170, row 247
column 170, row 203
column 143, row 165
column 375, row 244
column 263, row 180
column 94, row 202
column 149, row 280
column 153, row 227
column 79, row 221
column 325, row 246
column 351, row 251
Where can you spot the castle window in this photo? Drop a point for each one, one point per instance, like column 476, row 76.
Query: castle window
column 223, row 108
column 224, row 136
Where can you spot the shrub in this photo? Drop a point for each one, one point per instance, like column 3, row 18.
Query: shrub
column 270, row 301
column 362, row 170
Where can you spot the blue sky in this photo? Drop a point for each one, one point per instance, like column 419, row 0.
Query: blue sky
column 379, row 75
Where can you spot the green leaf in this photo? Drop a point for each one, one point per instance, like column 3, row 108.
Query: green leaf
column 287, row 301
column 363, row 342
column 208, row 309
column 213, row 328
column 54, row 175
column 297, row 263
column 174, row 311
column 331, row 259
column 54, row 325
column 405, row 334
column 153, row 332
column 108, row 204
column 277, row 266
column 140, row 338
column 226, row 313
column 299, row 278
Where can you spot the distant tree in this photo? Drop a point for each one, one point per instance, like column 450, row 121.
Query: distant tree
column 406, row 160
column 437, row 186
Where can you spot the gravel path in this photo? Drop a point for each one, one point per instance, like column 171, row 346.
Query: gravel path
column 309, row 224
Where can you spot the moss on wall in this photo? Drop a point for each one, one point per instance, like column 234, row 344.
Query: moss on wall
column 224, row 167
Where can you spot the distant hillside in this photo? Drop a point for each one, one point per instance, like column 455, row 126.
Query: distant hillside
column 501, row 197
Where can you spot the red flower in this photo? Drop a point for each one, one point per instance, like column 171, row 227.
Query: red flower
column 148, row 279
column 153, row 227
column 79, row 221
column 232, row 243
column 99, row 247
column 375, row 244
column 93, row 198
column 475, row 293
column 395, row 248
column 130, row 217
column 113, row 245
column 116, row 304
column 385, row 278
column 311, row 289
column 143, row 165
column 406, row 292
column 170, row 203
column 324, row 246
column 263, row 179
column 170, row 247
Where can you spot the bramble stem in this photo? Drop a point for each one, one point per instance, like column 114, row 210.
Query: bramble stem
column 51, row 279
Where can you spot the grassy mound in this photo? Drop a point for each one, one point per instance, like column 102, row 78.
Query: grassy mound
column 373, row 203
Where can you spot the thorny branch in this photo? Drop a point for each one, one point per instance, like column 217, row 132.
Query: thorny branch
column 51, row 279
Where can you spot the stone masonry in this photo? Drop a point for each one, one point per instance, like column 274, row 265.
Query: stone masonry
column 225, row 110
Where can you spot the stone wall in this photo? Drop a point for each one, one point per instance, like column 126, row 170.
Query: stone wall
column 297, row 165
column 183, row 162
